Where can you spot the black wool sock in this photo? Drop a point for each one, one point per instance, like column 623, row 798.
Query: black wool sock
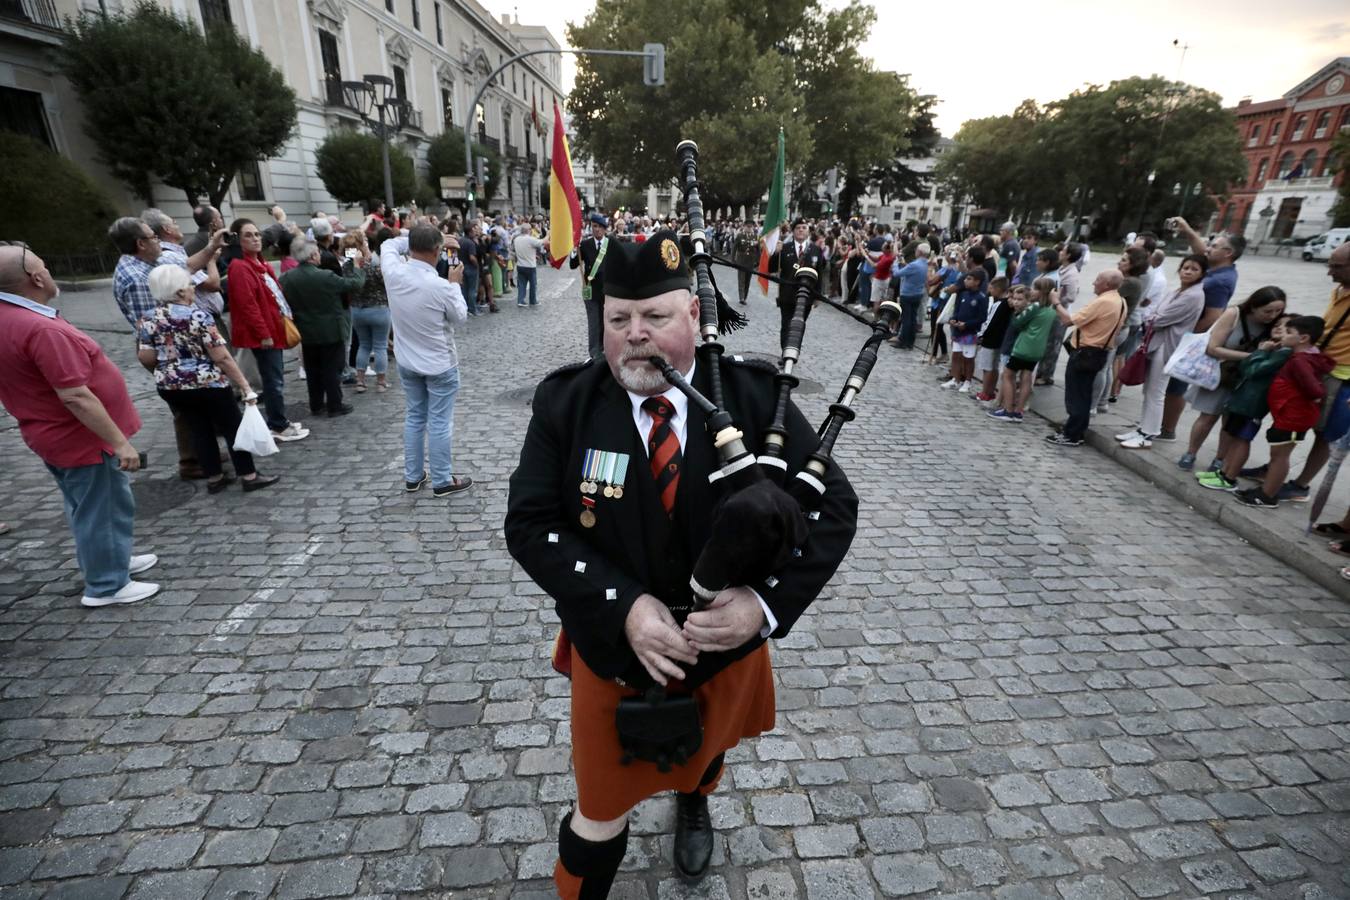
column 592, row 865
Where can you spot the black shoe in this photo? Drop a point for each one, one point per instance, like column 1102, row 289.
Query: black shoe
column 693, row 836
column 413, row 487
column 341, row 410
column 262, row 481
column 316, row 410
column 454, row 487
column 215, row 487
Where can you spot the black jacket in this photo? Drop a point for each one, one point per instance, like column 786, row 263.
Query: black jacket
column 584, row 259
column 784, row 264
column 595, row 574
column 998, row 325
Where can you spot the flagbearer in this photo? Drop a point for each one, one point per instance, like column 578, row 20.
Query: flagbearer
column 590, row 258
column 609, row 509
column 785, row 261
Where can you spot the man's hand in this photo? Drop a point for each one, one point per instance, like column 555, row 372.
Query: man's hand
column 128, row 459
column 455, row 274
column 218, row 239
column 655, row 638
column 266, row 343
column 733, row 618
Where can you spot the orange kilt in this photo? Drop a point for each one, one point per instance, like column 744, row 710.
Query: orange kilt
column 737, row 703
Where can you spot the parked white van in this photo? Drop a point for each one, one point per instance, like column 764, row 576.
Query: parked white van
column 1320, row 247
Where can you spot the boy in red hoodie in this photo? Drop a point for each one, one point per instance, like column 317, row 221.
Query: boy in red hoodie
column 1295, row 399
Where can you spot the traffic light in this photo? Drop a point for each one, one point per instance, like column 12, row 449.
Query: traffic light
column 654, row 65
column 480, row 170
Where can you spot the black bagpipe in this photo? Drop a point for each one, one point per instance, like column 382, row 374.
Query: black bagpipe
column 761, row 519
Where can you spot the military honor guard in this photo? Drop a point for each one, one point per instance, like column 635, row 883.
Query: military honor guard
column 609, row 509
column 590, row 258
column 745, row 251
column 785, row 261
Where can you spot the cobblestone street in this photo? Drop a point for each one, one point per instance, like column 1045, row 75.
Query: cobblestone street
column 1034, row 676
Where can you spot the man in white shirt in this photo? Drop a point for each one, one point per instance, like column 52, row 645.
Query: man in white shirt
column 424, row 308
column 527, row 248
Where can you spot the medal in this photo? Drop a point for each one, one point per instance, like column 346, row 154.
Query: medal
column 619, row 473
column 587, row 515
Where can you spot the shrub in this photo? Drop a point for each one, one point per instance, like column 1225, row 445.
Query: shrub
column 56, row 207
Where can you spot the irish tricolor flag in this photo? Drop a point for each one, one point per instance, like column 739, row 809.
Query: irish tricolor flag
column 564, row 209
column 773, row 217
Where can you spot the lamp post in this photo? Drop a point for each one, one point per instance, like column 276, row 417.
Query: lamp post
column 384, row 113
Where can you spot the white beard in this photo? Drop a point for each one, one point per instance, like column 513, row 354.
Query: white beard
column 645, row 380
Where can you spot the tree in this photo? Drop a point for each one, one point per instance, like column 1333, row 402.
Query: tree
column 207, row 106
column 1340, row 164
column 894, row 178
column 74, row 212
column 348, row 163
column 445, row 156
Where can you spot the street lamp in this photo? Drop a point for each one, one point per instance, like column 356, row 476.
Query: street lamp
column 376, row 101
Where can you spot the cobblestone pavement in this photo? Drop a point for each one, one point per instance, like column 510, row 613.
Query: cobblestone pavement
column 1033, row 677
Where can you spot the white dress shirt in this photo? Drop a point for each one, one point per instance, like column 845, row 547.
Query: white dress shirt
column 424, row 308
column 679, row 423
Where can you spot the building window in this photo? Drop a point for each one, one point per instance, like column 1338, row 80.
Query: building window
column 1255, row 136
column 417, row 15
column 250, row 182
column 1286, row 164
column 480, row 116
column 1274, row 133
column 389, row 5
column 1323, row 123
column 1300, row 126
column 1308, row 165
column 448, row 106
column 440, row 29
column 215, row 12
column 332, row 68
column 22, row 112
column 1261, row 172
column 1329, row 164
column 400, row 83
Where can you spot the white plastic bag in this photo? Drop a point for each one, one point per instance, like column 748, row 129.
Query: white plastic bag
column 253, row 435
column 1191, row 364
column 948, row 308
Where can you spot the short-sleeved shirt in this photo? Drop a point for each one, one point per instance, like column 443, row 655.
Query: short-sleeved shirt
column 41, row 353
column 1096, row 323
column 1220, row 285
column 181, row 337
column 468, row 247
column 1010, row 251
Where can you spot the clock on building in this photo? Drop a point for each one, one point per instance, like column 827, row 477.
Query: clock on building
column 1335, row 84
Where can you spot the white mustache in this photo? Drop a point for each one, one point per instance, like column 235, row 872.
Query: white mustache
column 643, row 353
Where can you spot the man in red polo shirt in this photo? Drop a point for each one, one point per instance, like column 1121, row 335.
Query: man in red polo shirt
column 75, row 413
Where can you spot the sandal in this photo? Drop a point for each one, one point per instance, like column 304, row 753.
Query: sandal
column 1345, row 573
column 1329, row 528
column 360, row 387
column 1341, row 547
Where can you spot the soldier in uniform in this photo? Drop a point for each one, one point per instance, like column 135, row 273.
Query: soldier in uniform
column 590, row 258
column 790, row 256
column 608, row 511
column 746, row 253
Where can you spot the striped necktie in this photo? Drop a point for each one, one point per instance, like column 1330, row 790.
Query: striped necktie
column 663, row 450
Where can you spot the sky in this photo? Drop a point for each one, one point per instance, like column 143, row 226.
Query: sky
column 1237, row 48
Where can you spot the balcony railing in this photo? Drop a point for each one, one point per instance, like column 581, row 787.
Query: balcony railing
column 491, row 143
column 512, row 151
column 34, row 12
column 1321, row 182
column 332, row 93
column 413, row 119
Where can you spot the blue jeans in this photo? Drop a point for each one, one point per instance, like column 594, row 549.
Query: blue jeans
column 429, row 421
column 101, row 512
column 865, row 288
column 527, row 275
column 371, row 324
column 909, row 319
column 469, row 287
column 274, row 387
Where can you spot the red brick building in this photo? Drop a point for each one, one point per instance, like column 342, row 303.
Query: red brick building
column 1291, row 182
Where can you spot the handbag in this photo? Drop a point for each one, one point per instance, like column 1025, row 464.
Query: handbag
column 658, row 729
column 1135, row 369
column 292, row 333
column 1192, row 364
column 945, row 316
column 253, row 436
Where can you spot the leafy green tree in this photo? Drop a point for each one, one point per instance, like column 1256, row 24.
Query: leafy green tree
column 163, row 100
column 1340, row 154
column 349, row 165
column 74, row 210
column 894, row 178
column 445, row 156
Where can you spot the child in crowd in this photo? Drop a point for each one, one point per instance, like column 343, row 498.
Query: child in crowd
column 991, row 338
column 971, row 306
column 947, row 277
column 1033, row 322
column 1248, row 406
column 881, row 277
column 1295, row 399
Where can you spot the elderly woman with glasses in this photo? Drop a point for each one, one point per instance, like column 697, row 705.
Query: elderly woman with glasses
column 193, row 373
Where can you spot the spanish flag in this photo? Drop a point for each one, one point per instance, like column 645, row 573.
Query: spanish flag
column 564, row 209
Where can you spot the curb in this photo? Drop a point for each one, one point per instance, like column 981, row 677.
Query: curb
column 92, row 284
column 1293, row 550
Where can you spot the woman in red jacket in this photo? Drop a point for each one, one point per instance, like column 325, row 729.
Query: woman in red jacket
column 256, row 310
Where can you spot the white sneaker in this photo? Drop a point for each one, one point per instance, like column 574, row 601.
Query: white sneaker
column 143, row 562
column 964, row 388
column 950, row 383
column 1128, row 435
column 1138, row 442
column 131, row 592
column 293, row 432
column 370, row 370
column 300, row 373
